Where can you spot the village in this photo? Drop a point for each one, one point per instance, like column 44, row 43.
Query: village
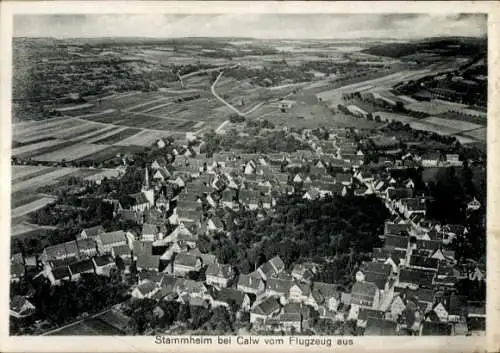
column 190, row 196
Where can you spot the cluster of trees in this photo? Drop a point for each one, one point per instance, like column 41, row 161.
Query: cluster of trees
column 68, row 301
column 336, row 232
column 257, row 141
column 148, row 316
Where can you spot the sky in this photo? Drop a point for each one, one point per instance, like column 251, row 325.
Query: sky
column 267, row 26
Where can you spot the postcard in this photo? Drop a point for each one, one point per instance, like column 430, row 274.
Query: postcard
column 247, row 176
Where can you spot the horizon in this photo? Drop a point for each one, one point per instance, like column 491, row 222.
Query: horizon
column 251, row 26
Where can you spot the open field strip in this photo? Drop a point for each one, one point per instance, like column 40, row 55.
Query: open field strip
column 34, row 147
column 55, row 131
column 107, row 134
column 70, row 153
column 466, row 140
column 74, row 107
column 78, row 131
column 93, row 134
column 395, row 116
column 479, row 134
column 455, row 124
column 118, row 136
column 29, row 125
column 31, row 207
column 22, row 228
column 156, row 107
column 143, row 138
column 21, row 171
column 42, row 180
column 138, row 107
column 439, row 129
column 34, row 175
column 39, row 151
column 40, row 131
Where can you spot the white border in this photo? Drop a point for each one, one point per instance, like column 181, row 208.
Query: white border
column 146, row 344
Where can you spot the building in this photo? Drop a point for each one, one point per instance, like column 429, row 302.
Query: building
column 232, row 299
column 91, row 232
column 251, row 283
column 184, row 263
column 264, row 310
column 271, row 268
column 107, row 241
column 219, row 275
column 20, row 307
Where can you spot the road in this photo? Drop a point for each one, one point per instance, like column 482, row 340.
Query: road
column 230, row 106
column 221, row 126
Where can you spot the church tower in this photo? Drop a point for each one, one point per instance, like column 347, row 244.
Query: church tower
column 146, row 190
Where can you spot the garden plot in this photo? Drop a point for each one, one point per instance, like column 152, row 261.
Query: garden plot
column 118, row 136
column 148, row 105
column 36, row 132
column 79, row 130
column 70, row 153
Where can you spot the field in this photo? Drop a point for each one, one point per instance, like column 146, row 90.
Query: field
column 70, row 153
column 456, row 124
column 30, row 207
column 478, row 134
column 394, row 116
column 47, row 177
column 118, row 136
column 439, row 129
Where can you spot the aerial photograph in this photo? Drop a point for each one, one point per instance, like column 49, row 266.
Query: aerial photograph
column 246, row 175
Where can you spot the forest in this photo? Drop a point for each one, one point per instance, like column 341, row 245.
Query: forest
column 336, row 232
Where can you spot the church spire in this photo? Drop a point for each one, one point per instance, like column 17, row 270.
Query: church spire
column 146, row 179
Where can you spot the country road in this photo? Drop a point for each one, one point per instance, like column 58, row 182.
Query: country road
column 230, row 106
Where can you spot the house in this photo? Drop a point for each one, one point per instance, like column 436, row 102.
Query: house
column 91, row 232
column 474, row 205
column 381, row 281
column 87, row 247
column 396, row 242
column 215, row 224
column 324, row 295
column 161, row 174
column 410, row 206
column 279, row 286
column 219, row 275
column 251, row 283
column 453, row 160
column 365, row 295
column 60, row 251
column 183, row 234
column 103, row 264
column 423, row 263
column 373, row 267
column 20, row 307
column 206, row 259
column 77, row 268
column 396, row 228
column 293, row 318
column 304, row 272
column 435, row 329
column 59, row 274
column 343, row 178
column 184, row 263
column 380, row 327
column 106, row 241
column 365, row 314
column 271, row 268
column 158, row 164
column 430, row 160
column 122, row 251
column 144, row 290
column 264, row 310
column 143, row 254
column 17, row 271
column 232, row 298
column 192, row 288
column 299, row 292
column 413, row 279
